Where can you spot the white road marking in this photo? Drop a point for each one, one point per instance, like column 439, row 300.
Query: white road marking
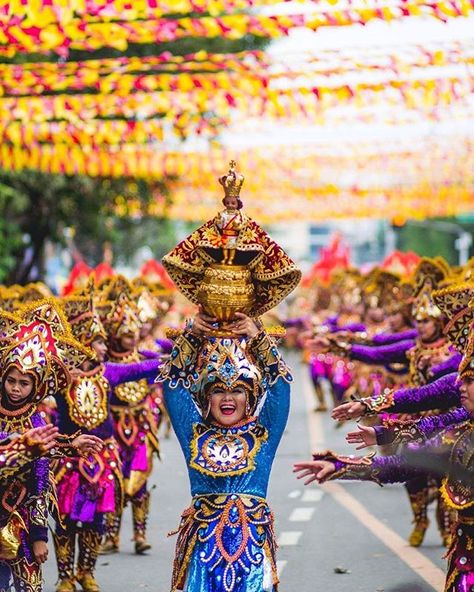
column 281, row 566
column 301, row 515
column 294, row 494
column 312, row 495
column 289, row 538
column 420, row 564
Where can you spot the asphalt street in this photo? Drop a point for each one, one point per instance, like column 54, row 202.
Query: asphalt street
column 356, row 528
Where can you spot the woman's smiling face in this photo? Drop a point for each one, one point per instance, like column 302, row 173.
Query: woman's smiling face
column 228, row 407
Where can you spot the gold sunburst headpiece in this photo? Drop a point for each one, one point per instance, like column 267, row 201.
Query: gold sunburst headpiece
column 232, row 182
column 122, row 319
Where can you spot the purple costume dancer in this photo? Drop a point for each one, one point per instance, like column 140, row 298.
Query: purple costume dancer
column 89, row 488
column 426, row 356
column 451, row 452
column 134, row 419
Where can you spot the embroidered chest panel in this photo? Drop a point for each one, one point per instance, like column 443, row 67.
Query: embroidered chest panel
column 87, row 400
column 423, row 357
column 132, row 392
column 457, row 489
column 221, row 452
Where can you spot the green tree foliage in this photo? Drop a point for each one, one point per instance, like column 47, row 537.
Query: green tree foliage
column 434, row 237
column 36, row 207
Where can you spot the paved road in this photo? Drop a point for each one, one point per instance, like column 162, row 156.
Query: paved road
column 356, row 526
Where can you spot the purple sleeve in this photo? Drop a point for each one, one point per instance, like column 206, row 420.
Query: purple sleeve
column 298, row 322
column 332, row 323
column 149, row 355
column 351, row 328
column 393, row 469
column 381, row 469
column 119, row 373
column 447, row 367
column 389, row 338
column 38, row 506
column 39, row 492
column 421, row 430
column 440, row 394
column 384, row 354
column 165, row 344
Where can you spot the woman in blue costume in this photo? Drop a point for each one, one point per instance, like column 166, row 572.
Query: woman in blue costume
column 228, row 400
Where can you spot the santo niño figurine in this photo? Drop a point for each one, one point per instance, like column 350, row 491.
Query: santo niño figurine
column 230, row 264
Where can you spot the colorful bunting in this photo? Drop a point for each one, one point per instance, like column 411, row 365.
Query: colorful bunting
column 89, row 35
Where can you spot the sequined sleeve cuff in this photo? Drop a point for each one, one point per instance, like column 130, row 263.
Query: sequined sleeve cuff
column 378, row 403
column 340, row 347
column 268, row 357
column 14, row 454
column 64, row 446
column 182, row 358
column 350, row 467
column 38, row 511
column 399, row 432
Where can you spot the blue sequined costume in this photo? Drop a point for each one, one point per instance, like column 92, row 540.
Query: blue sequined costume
column 226, row 541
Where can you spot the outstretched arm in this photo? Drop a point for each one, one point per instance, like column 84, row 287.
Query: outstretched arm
column 383, row 354
column 389, row 338
column 393, row 431
column 440, row 394
column 447, row 367
column 396, row 431
column 118, row 373
column 398, row 468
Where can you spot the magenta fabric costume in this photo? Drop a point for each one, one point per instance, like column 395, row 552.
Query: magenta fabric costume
column 87, row 490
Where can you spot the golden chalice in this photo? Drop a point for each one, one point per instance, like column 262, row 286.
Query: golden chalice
column 225, row 290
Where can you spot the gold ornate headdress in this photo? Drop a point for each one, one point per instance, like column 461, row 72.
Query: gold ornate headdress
column 466, row 367
column 233, row 181
column 118, row 309
column 346, row 287
column 38, row 341
column 122, row 318
column 10, row 297
column 377, row 287
column 35, row 291
column 457, row 303
column 400, row 299
column 148, row 306
column 428, row 276
column 84, row 319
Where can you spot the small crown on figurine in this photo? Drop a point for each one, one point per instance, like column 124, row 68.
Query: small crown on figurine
column 232, row 182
